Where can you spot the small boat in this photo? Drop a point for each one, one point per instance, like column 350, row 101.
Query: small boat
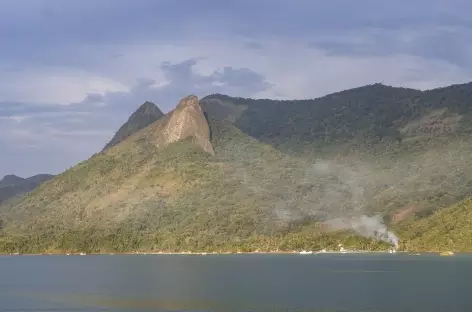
column 82, row 254
column 446, row 253
column 304, row 252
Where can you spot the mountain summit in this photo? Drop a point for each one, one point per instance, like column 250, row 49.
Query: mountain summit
column 145, row 115
column 187, row 120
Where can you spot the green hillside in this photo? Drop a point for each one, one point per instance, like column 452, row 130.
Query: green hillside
column 136, row 196
column 407, row 150
column 374, row 114
column 285, row 175
column 449, row 229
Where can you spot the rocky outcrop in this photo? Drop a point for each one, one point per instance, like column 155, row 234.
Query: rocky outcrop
column 187, row 121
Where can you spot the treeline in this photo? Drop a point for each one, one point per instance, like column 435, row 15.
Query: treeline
column 129, row 240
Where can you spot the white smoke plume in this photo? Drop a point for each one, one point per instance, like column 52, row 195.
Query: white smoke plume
column 371, row 227
column 343, row 196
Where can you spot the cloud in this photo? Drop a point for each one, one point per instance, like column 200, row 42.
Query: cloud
column 53, row 85
column 439, row 43
column 71, row 133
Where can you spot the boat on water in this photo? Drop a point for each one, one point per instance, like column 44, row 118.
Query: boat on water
column 446, row 254
column 304, row 252
column 82, row 254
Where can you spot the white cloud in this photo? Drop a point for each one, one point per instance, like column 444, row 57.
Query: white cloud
column 300, row 71
column 296, row 69
column 54, row 85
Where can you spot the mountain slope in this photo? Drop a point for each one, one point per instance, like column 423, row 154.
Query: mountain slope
column 145, row 115
column 150, row 192
column 406, row 150
column 11, row 185
column 373, row 114
column 446, row 230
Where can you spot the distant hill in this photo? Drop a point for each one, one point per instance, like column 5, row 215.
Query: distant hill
column 11, row 185
column 145, row 115
column 11, row 180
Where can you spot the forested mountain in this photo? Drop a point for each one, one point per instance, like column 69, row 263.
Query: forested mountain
column 370, row 114
column 228, row 173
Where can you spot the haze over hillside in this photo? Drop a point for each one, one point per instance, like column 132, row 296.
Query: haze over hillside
column 242, row 174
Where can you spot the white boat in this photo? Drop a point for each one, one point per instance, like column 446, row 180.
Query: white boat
column 304, row 252
column 447, row 253
column 83, row 254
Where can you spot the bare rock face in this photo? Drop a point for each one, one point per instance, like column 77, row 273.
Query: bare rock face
column 187, row 120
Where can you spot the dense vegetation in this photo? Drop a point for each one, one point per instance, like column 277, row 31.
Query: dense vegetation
column 370, row 114
column 282, row 172
column 447, row 229
column 136, row 196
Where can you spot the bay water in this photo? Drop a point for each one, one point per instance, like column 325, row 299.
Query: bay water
column 328, row 282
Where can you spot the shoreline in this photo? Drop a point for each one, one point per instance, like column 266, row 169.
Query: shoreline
column 411, row 253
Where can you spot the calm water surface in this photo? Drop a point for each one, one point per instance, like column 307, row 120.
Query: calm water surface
column 387, row 283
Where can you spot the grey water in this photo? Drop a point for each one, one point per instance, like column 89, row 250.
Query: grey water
column 331, row 282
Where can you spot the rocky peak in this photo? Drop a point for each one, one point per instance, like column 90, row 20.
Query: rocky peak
column 145, row 115
column 187, row 120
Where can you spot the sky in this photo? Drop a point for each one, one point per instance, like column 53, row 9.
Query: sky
column 73, row 71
